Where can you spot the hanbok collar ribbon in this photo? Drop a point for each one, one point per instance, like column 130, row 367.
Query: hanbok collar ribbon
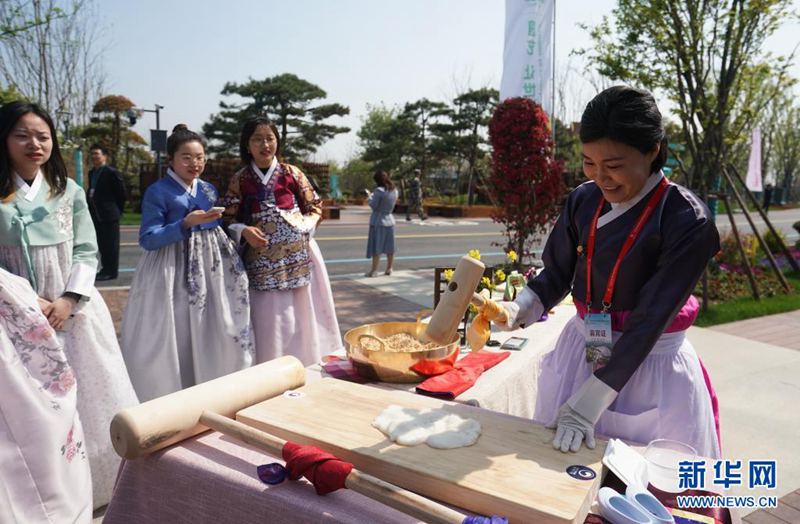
column 20, row 222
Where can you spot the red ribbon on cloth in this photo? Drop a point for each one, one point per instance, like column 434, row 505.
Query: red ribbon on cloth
column 463, row 376
column 326, row 472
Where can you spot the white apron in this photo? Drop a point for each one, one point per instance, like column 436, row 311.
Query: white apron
column 666, row 397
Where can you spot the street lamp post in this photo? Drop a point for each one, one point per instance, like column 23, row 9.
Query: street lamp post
column 77, row 154
column 158, row 137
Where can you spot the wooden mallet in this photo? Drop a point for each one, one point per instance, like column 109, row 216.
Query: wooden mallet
column 456, row 299
column 166, row 420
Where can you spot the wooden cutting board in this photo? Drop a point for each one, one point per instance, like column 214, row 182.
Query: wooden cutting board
column 512, row 470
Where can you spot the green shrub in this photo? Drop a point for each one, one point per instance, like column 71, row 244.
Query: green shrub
column 772, row 241
column 724, row 286
column 729, row 252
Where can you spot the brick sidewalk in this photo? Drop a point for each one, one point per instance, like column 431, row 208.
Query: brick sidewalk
column 779, row 330
column 356, row 304
column 787, row 512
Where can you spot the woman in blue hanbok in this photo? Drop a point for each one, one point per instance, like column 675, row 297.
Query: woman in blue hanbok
column 188, row 315
column 47, row 237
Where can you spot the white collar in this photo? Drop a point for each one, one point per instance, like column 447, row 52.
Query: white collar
column 265, row 176
column 618, row 209
column 29, row 192
column 192, row 190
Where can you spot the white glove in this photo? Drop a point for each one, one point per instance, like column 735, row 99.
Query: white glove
column 572, row 429
column 579, row 414
column 524, row 311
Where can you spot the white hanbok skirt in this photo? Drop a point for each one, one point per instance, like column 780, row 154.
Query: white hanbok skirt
column 666, row 398
column 45, row 475
column 300, row 321
column 93, row 352
column 187, row 319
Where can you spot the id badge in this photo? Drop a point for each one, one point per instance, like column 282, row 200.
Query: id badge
column 598, row 339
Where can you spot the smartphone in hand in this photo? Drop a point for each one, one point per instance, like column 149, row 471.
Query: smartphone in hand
column 218, row 209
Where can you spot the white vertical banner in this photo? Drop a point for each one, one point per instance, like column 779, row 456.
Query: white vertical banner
column 528, row 52
column 754, row 180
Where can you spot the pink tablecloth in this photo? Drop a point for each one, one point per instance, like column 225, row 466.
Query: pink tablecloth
column 212, row 478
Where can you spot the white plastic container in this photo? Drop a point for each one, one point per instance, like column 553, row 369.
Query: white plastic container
column 663, row 457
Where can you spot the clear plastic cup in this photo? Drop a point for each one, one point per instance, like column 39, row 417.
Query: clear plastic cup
column 663, row 458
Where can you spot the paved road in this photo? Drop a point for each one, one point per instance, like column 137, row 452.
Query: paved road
column 435, row 242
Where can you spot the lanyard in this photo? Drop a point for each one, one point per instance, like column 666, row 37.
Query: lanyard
column 637, row 228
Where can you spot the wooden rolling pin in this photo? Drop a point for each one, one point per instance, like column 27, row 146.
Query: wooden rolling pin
column 172, row 418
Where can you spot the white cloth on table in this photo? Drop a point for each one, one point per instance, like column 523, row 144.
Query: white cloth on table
column 93, row 352
column 45, row 475
column 510, row 386
column 174, row 337
column 300, row 321
column 666, row 397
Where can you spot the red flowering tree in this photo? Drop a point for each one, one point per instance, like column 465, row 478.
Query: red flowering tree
column 526, row 180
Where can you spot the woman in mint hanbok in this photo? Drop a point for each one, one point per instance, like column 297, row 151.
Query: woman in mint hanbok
column 45, row 472
column 47, row 237
column 188, row 313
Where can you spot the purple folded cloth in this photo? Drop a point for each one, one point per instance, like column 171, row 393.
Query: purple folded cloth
column 341, row 368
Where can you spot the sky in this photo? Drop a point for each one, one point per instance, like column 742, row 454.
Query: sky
column 180, row 53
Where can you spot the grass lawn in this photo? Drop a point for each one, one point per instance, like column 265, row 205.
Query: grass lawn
column 130, row 218
column 747, row 307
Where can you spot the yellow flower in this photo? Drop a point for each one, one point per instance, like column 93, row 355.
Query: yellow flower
column 473, row 309
column 511, row 256
column 500, row 275
column 447, row 274
column 474, row 253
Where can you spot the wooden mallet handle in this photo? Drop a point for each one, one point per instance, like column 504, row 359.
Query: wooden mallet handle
column 369, row 486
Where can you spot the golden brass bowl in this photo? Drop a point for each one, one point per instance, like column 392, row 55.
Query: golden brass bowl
column 392, row 366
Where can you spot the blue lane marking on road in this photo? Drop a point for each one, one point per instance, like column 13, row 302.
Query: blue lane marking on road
column 353, row 260
column 409, row 257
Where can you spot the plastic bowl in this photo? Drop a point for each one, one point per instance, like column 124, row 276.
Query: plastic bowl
column 663, row 458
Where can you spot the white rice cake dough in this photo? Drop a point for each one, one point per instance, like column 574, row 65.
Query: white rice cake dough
column 435, row 427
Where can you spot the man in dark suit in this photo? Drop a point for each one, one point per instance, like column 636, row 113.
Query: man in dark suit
column 106, row 202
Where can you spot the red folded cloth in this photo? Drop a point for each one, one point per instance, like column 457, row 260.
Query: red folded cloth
column 463, row 376
column 326, row 472
column 430, row 368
